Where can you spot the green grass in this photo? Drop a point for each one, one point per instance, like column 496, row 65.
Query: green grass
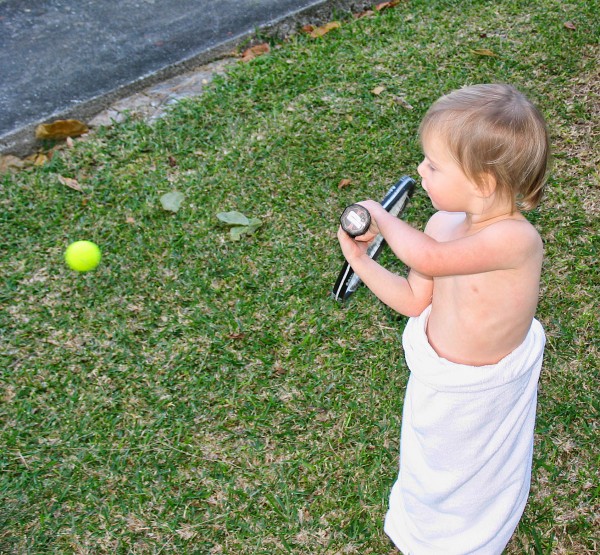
column 199, row 395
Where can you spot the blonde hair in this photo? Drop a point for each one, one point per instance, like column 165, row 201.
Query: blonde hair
column 494, row 130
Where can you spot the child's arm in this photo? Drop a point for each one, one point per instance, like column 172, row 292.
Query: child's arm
column 504, row 245
column 408, row 296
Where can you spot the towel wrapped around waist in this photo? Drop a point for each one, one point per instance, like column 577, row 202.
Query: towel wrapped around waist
column 466, row 448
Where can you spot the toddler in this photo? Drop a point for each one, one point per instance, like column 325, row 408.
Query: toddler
column 472, row 344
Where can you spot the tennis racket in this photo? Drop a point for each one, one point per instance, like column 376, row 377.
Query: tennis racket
column 394, row 202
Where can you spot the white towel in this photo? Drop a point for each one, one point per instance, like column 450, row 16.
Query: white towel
column 465, row 450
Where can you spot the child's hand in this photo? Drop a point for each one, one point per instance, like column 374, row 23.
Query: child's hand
column 352, row 248
column 373, row 230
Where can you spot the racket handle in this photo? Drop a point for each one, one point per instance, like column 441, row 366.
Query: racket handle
column 355, row 220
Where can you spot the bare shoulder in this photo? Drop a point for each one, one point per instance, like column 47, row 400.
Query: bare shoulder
column 467, row 247
column 441, row 225
column 516, row 231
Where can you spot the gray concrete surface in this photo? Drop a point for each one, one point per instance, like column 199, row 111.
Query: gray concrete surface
column 73, row 58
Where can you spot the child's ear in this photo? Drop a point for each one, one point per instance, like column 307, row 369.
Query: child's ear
column 487, row 185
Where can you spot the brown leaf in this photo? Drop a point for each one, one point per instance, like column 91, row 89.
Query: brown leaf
column 308, row 28
column 278, row 369
column 324, row 29
column 366, row 13
column 61, row 129
column 484, row 52
column 344, row 183
column 9, row 162
column 378, row 90
column 385, row 5
column 38, row 158
column 172, row 161
column 71, row 183
column 570, row 25
column 255, row 51
column 236, row 336
column 402, row 102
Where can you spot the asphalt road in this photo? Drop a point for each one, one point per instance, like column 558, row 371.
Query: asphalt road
column 71, row 58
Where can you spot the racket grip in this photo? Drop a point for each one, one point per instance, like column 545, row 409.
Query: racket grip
column 355, row 220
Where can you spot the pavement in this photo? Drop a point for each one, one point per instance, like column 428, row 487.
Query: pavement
column 62, row 59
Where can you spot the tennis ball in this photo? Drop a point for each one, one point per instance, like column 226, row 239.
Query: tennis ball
column 82, row 256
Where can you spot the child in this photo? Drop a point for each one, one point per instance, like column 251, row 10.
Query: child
column 472, row 343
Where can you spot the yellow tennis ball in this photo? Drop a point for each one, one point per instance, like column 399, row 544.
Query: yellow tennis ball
column 82, row 256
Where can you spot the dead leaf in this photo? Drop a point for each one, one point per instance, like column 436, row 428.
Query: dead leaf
column 385, row 5
column 40, row 159
column 8, row 162
column 172, row 161
column 324, row 29
column 255, row 52
column 366, row 13
column 71, row 183
column 570, row 25
column 308, row 28
column 61, row 129
column 278, row 369
column 402, row 102
column 378, row 90
column 484, row 52
column 236, row 336
column 344, row 183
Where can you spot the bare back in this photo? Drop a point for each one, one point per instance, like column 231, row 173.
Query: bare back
column 479, row 318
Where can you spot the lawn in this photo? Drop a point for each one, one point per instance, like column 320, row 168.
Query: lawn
column 198, row 394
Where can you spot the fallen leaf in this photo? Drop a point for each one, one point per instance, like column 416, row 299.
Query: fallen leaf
column 278, row 369
column 172, row 161
column 233, row 218
column 570, row 25
column 172, row 201
column 255, row 51
column 237, row 231
column 378, row 90
column 241, row 224
column 344, row 183
column 71, row 183
column 238, row 335
column 40, row 159
column 484, row 52
column 61, row 129
column 308, row 28
column 385, row 5
column 9, row 162
column 366, row 13
column 324, row 29
column 402, row 102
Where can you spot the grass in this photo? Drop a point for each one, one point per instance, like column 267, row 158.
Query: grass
column 200, row 395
